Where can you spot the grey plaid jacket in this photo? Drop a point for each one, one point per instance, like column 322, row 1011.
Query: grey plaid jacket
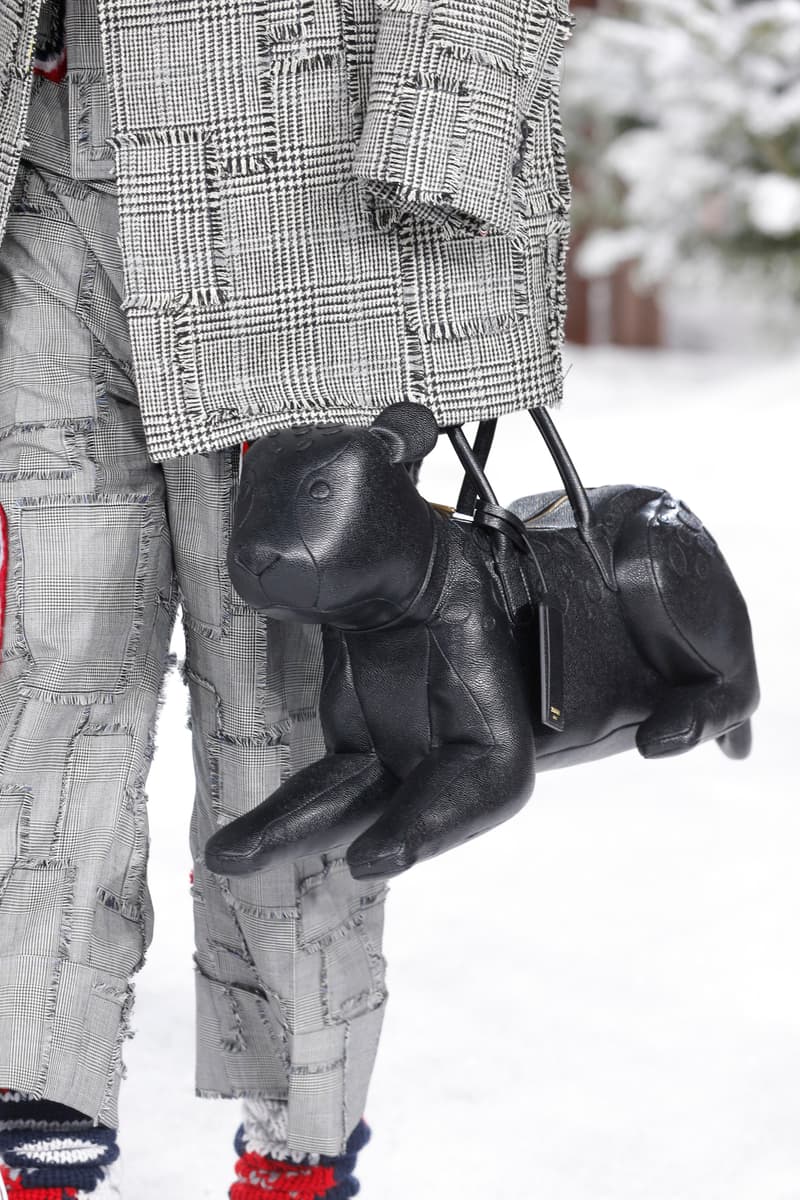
column 326, row 206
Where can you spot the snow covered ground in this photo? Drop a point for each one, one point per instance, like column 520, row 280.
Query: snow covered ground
column 600, row 1000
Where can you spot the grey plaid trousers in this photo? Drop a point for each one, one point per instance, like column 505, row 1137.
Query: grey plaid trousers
column 102, row 547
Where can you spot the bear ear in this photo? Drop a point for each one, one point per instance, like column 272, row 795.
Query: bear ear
column 409, row 431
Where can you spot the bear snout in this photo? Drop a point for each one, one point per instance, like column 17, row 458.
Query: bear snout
column 252, row 557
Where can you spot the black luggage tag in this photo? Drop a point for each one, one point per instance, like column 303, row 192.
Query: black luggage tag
column 551, row 666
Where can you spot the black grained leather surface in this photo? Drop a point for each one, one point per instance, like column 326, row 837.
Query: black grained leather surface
column 668, row 659
column 432, row 703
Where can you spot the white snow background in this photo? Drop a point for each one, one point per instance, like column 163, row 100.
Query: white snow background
column 600, row 999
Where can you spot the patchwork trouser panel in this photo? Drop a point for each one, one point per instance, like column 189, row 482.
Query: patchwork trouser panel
column 103, row 545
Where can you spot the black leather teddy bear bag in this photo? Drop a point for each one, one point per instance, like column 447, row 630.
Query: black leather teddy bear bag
column 460, row 657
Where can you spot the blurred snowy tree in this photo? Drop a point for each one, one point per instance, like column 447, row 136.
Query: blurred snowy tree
column 682, row 124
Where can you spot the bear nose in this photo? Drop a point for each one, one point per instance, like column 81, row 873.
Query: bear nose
column 255, row 558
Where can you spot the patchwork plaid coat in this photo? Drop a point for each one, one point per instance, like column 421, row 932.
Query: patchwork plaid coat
column 326, row 206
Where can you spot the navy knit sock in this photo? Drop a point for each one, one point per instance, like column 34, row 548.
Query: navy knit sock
column 46, row 1145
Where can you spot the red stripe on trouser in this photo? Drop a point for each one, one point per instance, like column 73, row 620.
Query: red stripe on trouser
column 243, row 448
column 269, row 1179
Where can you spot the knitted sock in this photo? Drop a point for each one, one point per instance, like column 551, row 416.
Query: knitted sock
column 265, row 1171
column 51, row 1152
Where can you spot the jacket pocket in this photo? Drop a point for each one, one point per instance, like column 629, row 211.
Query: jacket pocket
column 91, row 156
column 454, row 90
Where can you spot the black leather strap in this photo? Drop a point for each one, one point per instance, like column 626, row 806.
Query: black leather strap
column 483, row 444
column 474, row 461
column 576, row 492
column 476, row 484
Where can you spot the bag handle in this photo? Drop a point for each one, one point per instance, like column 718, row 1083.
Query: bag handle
column 475, row 461
column 478, row 500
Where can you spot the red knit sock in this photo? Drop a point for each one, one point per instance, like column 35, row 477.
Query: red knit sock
column 314, row 1177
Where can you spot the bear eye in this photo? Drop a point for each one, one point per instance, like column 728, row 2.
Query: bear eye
column 320, row 489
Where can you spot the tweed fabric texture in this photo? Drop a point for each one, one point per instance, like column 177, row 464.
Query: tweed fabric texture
column 103, row 546
column 19, row 21
column 457, row 90
column 325, row 206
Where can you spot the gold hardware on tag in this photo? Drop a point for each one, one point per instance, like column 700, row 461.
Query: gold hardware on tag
column 443, row 508
column 551, row 665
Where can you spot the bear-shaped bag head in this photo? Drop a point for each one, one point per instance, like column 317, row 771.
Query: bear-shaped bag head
column 329, row 525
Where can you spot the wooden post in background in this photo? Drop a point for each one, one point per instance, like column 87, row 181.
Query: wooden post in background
column 578, row 324
column 633, row 318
